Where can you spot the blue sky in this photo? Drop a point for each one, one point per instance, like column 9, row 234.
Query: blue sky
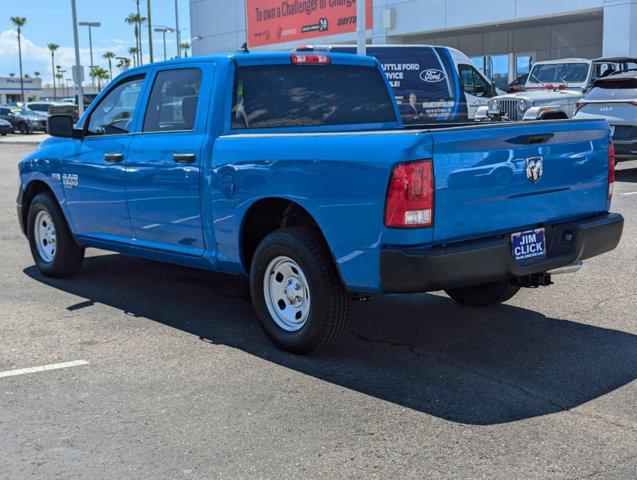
column 50, row 21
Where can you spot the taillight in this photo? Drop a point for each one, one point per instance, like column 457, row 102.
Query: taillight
column 410, row 196
column 309, row 59
column 579, row 106
column 611, row 168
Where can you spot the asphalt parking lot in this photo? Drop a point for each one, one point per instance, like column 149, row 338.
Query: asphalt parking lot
column 179, row 382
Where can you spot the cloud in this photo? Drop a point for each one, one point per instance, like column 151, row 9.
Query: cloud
column 38, row 57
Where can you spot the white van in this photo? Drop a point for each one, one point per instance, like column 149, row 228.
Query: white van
column 431, row 83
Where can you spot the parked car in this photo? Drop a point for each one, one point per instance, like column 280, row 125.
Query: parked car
column 65, row 109
column 431, row 84
column 71, row 100
column 553, row 89
column 24, row 121
column 517, row 85
column 5, row 127
column 614, row 99
column 295, row 170
column 41, row 107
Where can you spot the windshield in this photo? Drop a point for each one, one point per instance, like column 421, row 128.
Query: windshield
column 559, row 73
column 29, row 113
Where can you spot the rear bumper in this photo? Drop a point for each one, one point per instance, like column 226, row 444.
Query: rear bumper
column 405, row 270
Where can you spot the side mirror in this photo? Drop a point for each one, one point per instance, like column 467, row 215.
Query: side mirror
column 60, row 126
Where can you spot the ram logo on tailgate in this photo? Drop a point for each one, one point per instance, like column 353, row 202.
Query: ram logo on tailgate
column 534, row 168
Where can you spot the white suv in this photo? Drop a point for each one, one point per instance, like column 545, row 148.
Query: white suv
column 552, row 89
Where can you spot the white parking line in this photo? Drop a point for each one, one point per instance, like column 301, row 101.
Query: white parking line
column 629, row 193
column 43, row 368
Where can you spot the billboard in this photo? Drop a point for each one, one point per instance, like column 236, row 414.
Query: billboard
column 276, row 21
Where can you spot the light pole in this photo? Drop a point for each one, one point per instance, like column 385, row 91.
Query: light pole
column 361, row 27
column 78, row 71
column 150, row 33
column 90, row 26
column 177, row 30
column 164, row 31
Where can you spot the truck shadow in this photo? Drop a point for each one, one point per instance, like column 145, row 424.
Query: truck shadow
column 626, row 174
column 423, row 352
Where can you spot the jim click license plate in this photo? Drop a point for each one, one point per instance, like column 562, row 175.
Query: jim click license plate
column 528, row 244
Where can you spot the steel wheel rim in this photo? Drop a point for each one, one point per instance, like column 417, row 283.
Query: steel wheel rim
column 45, row 238
column 287, row 294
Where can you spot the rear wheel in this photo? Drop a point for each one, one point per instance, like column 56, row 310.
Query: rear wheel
column 485, row 294
column 55, row 252
column 24, row 128
column 296, row 291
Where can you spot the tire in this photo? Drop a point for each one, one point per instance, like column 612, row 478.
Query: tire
column 24, row 128
column 301, row 259
column 61, row 257
column 484, row 295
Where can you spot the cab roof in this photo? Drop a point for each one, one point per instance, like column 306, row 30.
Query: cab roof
column 259, row 58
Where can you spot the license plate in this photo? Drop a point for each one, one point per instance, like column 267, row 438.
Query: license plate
column 529, row 244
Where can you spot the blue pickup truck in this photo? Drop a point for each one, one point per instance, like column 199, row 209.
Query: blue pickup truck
column 295, row 169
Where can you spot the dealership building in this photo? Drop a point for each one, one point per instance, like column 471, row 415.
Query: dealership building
column 10, row 89
column 503, row 37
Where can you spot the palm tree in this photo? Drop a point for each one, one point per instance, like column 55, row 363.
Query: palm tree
column 100, row 74
column 108, row 55
column 37, row 74
column 12, row 74
column 133, row 51
column 132, row 20
column 123, row 63
column 137, row 20
column 185, row 47
column 19, row 22
column 53, row 47
column 26, row 75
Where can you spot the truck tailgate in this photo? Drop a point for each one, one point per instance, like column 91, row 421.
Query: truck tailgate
column 488, row 179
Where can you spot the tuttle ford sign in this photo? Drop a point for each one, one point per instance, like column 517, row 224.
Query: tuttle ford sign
column 277, row 21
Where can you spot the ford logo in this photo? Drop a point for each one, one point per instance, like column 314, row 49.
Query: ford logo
column 432, row 75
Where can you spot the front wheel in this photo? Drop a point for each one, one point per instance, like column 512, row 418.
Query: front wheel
column 24, row 128
column 297, row 294
column 55, row 252
column 485, row 294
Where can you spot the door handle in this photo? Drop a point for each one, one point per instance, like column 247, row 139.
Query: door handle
column 184, row 157
column 113, row 157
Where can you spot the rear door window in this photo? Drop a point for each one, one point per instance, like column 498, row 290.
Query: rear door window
column 310, row 95
column 614, row 89
column 173, row 101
